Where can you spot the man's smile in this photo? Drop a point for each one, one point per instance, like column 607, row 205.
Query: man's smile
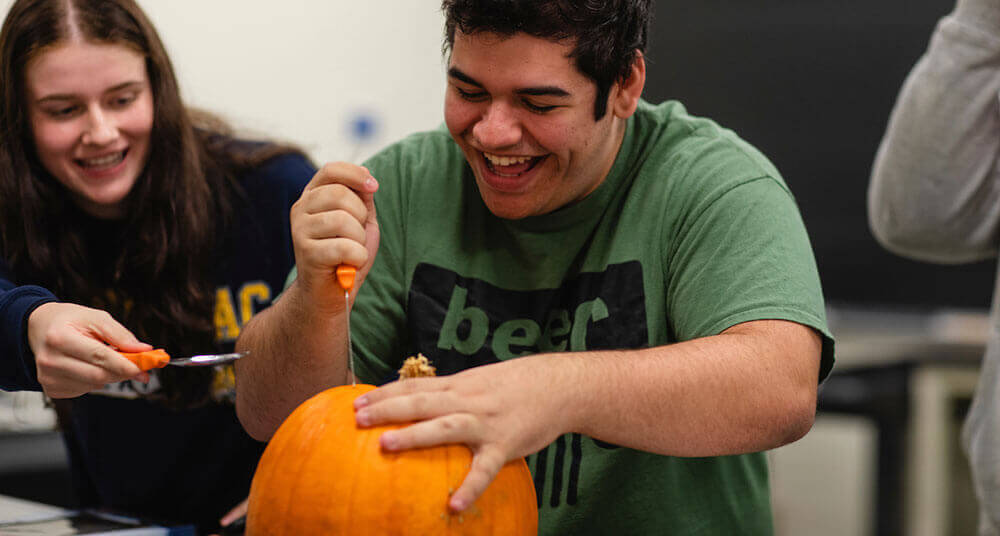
column 510, row 166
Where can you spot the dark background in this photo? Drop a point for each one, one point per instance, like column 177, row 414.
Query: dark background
column 811, row 83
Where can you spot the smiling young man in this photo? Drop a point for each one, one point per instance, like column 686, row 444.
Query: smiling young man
column 523, row 115
column 621, row 292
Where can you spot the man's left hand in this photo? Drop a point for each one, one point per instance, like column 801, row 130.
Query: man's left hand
column 502, row 412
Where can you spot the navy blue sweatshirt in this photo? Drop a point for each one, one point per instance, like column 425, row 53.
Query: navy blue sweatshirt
column 132, row 455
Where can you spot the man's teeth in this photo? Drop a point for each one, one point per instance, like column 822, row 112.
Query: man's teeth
column 103, row 160
column 498, row 160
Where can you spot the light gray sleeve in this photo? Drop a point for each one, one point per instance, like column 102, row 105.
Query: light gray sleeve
column 981, row 440
column 934, row 193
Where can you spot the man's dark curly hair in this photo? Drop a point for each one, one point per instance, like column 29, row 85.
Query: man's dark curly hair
column 607, row 33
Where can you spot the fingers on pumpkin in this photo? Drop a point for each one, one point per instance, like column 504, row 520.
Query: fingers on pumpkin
column 485, row 466
column 454, row 428
column 404, row 408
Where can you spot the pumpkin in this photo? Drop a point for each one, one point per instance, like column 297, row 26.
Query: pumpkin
column 321, row 474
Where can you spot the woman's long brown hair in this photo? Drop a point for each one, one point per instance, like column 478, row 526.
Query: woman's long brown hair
column 161, row 272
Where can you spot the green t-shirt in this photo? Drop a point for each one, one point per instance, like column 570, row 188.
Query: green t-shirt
column 693, row 231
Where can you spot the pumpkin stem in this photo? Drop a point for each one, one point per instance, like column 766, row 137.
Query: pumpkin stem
column 416, row 367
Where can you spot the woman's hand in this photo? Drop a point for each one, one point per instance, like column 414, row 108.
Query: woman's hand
column 74, row 349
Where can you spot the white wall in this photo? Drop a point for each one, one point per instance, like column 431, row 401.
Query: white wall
column 303, row 71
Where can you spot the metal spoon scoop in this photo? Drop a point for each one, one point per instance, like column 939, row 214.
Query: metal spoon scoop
column 345, row 276
column 205, row 359
column 159, row 358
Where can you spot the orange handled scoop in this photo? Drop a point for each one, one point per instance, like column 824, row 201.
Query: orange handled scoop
column 149, row 359
column 159, row 358
column 345, row 276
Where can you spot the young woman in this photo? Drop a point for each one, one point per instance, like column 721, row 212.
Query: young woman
column 127, row 221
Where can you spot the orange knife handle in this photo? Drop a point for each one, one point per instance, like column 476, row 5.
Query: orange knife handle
column 149, row 359
column 345, row 276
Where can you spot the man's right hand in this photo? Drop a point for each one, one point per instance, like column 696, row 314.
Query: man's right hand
column 333, row 223
column 72, row 353
column 298, row 345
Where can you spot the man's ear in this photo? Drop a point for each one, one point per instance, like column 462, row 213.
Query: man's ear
column 627, row 92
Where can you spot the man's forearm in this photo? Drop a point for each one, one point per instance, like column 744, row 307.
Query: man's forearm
column 749, row 389
column 295, row 352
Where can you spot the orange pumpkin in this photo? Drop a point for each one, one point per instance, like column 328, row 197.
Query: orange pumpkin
column 321, row 474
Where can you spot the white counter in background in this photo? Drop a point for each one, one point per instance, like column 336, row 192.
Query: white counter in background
column 887, row 429
column 21, row 517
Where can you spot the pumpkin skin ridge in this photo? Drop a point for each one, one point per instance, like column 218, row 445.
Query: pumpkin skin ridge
column 330, row 443
column 310, row 498
column 402, row 493
column 287, row 502
column 358, row 447
column 307, row 496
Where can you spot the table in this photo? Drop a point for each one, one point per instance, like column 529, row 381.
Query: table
column 19, row 516
column 907, row 371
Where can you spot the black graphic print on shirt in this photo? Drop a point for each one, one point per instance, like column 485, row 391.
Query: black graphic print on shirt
column 460, row 322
